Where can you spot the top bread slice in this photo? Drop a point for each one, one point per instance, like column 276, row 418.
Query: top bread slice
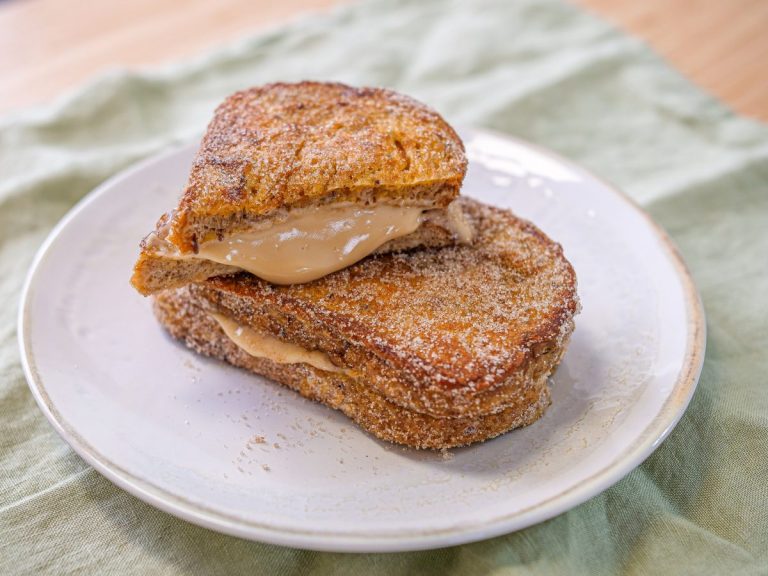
column 281, row 147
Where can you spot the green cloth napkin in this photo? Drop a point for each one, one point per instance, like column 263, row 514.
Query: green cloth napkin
column 545, row 71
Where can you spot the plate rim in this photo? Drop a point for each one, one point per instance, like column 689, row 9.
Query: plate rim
column 644, row 444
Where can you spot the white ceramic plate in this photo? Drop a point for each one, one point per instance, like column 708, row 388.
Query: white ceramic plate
column 184, row 433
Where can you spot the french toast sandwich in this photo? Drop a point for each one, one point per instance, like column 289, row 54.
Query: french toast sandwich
column 295, row 181
column 429, row 348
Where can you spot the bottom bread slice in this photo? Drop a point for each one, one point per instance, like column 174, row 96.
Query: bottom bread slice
column 186, row 320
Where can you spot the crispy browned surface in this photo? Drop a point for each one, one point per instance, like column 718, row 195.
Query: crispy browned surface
column 284, row 145
column 182, row 316
column 455, row 331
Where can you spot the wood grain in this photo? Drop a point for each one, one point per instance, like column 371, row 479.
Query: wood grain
column 720, row 45
column 51, row 46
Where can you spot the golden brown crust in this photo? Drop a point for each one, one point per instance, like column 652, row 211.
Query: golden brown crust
column 456, row 331
column 289, row 145
column 186, row 321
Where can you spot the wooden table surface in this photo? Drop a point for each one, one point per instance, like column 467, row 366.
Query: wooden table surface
column 50, row 46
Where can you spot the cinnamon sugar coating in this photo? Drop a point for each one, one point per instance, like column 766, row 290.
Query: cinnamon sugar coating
column 459, row 339
column 288, row 145
column 186, row 321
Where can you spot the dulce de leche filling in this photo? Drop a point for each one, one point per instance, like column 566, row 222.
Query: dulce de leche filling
column 269, row 347
column 313, row 242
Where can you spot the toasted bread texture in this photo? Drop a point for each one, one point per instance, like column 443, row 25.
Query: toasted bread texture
column 185, row 319
column 289, row 145
column 285, row 146
column 438, row 347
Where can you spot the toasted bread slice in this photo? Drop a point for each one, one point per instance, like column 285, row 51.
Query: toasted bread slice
column 185, row 319
column 431, row 348
column 281, row 151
